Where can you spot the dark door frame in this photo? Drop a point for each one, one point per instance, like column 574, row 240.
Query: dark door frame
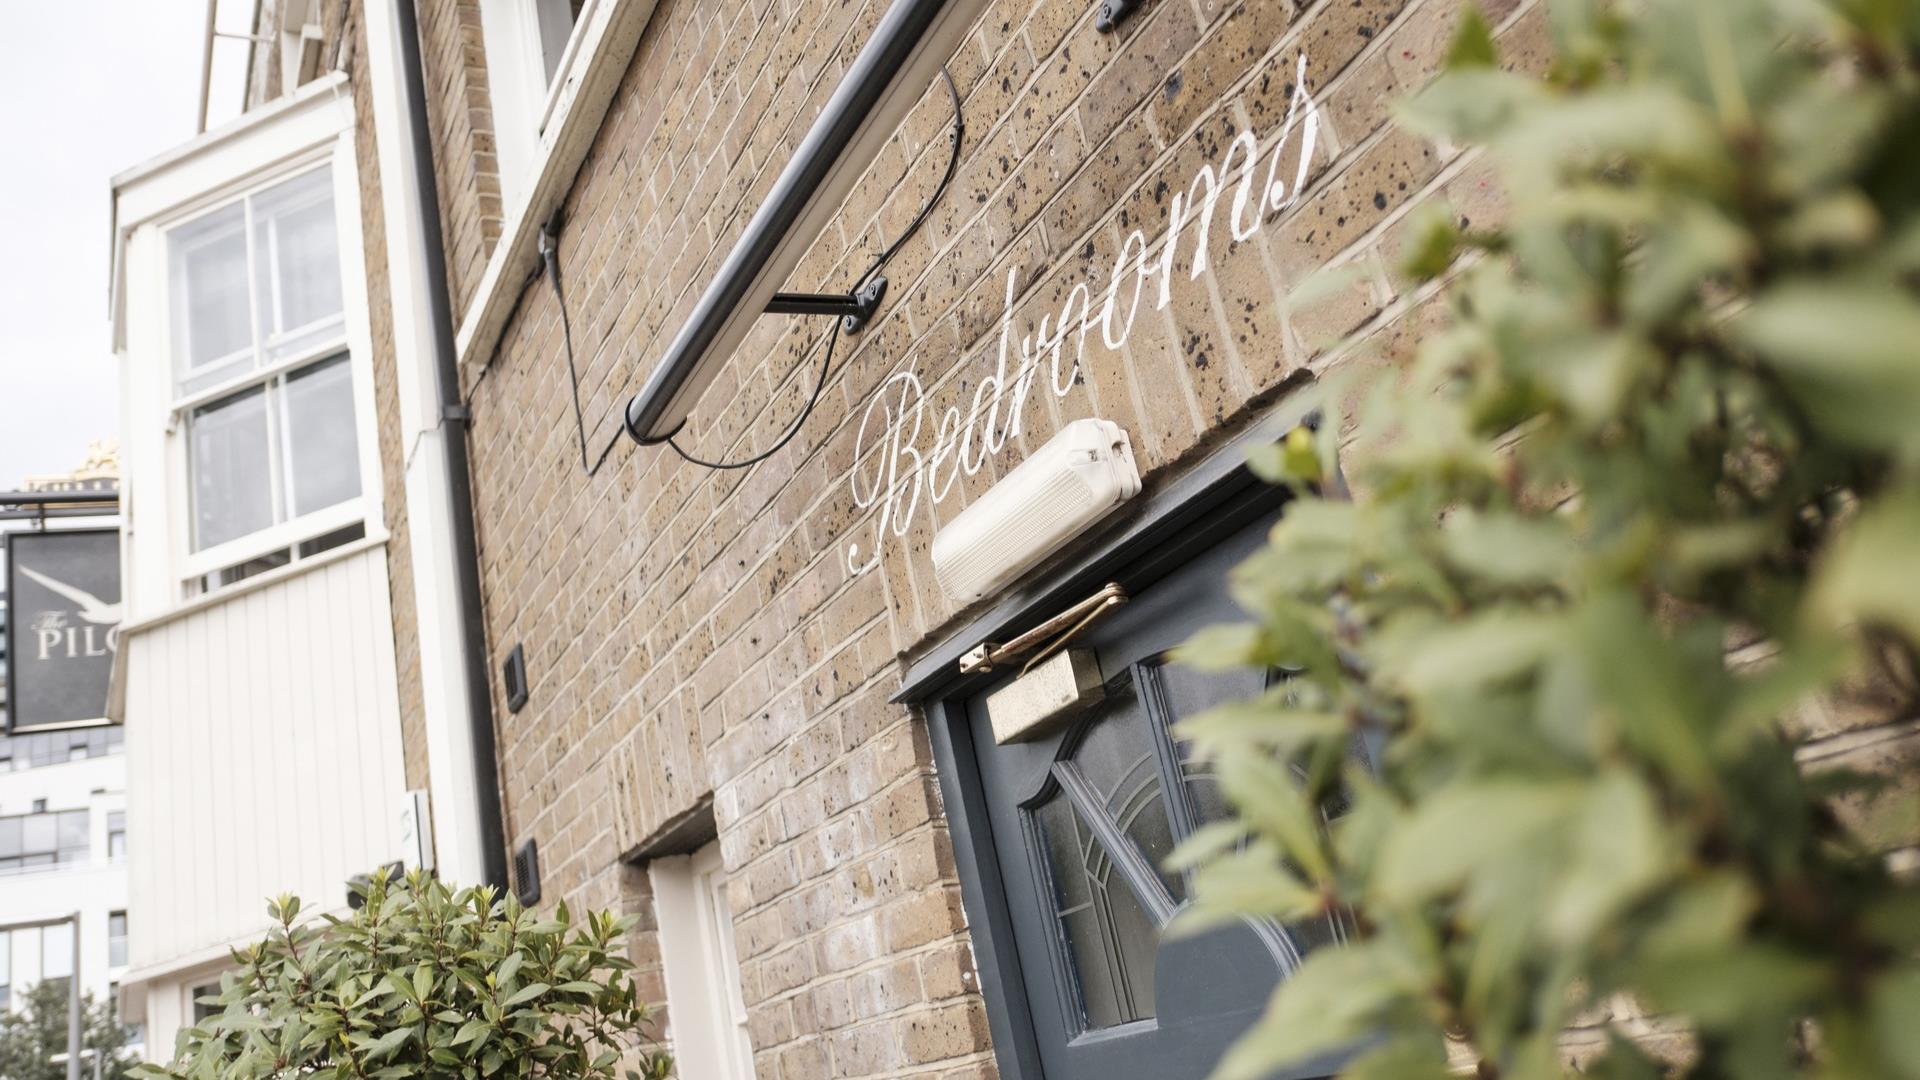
column 1186, row 517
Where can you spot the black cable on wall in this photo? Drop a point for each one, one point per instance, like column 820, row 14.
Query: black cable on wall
column 550, row 258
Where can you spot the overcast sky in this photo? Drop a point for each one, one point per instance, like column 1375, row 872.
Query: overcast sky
column 87, row 89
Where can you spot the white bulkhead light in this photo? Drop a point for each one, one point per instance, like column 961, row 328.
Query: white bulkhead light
column 1082, row 474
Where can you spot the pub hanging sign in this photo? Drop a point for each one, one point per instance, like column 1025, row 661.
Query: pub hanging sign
column 63, row 624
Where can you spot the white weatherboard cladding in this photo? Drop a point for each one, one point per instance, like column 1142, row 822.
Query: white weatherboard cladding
column 263, row 739
column 263, row 733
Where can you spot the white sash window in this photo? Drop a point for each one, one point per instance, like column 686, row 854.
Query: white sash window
column 262, row 374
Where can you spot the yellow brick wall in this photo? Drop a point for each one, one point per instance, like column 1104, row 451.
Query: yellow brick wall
column 693, row 635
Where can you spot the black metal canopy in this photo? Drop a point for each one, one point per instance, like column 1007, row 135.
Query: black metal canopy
column 904, row 55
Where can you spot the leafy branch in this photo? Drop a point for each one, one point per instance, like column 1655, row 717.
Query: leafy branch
column 1653, row 492
column 426, row 981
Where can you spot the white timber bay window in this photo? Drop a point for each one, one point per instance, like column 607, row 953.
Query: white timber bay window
column 242, row 298
column 263, row 380
column 706, row 1016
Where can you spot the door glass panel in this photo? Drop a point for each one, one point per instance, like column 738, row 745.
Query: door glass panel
column 1110, row 938
column 1118, row 759
column 1110, row 934
column 1188, row 692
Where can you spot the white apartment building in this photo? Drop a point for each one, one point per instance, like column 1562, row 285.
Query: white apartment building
column 63, row 849
column 256, row 673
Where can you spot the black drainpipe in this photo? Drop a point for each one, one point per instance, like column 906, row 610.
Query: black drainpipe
column 453, row 428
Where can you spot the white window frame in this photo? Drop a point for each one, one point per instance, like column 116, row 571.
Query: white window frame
column 287, row 534
column 125, row 939
column 706, row 1015
column 184, row 367
column 239, row 172
column 297, row 40
column 525, row 101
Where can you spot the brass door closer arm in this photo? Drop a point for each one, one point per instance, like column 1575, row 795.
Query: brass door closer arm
column 1048, row 638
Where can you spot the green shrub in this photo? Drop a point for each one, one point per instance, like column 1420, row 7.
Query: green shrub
column 423, row 981
column 1654, row 488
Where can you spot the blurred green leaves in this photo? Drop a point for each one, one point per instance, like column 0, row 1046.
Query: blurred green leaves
column 1651, row 494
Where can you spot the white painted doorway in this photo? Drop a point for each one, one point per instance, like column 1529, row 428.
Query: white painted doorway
column 706, row 1017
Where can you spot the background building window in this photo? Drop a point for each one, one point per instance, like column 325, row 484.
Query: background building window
column 200, row 998
column 6, row 971
column 116, row 939
column 707, row 1018
column 133, row 1033
column 30, row 841
column 21, row 752
column 56, row 951
column 116, row 835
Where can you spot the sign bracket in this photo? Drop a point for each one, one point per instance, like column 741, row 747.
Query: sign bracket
column 854, row 308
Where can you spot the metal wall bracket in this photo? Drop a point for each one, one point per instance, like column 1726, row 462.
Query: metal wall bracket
column 854, row 308
column 1112, row 13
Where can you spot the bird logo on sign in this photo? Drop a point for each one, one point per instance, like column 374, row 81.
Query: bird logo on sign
column 55, row 640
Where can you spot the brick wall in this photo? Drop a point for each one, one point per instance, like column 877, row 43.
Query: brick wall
column 460, row 121
column 690, row 632
column 694, row 635
column 264, row 74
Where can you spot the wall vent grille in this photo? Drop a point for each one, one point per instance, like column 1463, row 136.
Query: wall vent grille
column 526, row 874
column 514, row 674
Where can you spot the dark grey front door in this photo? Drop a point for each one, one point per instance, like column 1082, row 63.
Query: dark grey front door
column 1082, row 821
